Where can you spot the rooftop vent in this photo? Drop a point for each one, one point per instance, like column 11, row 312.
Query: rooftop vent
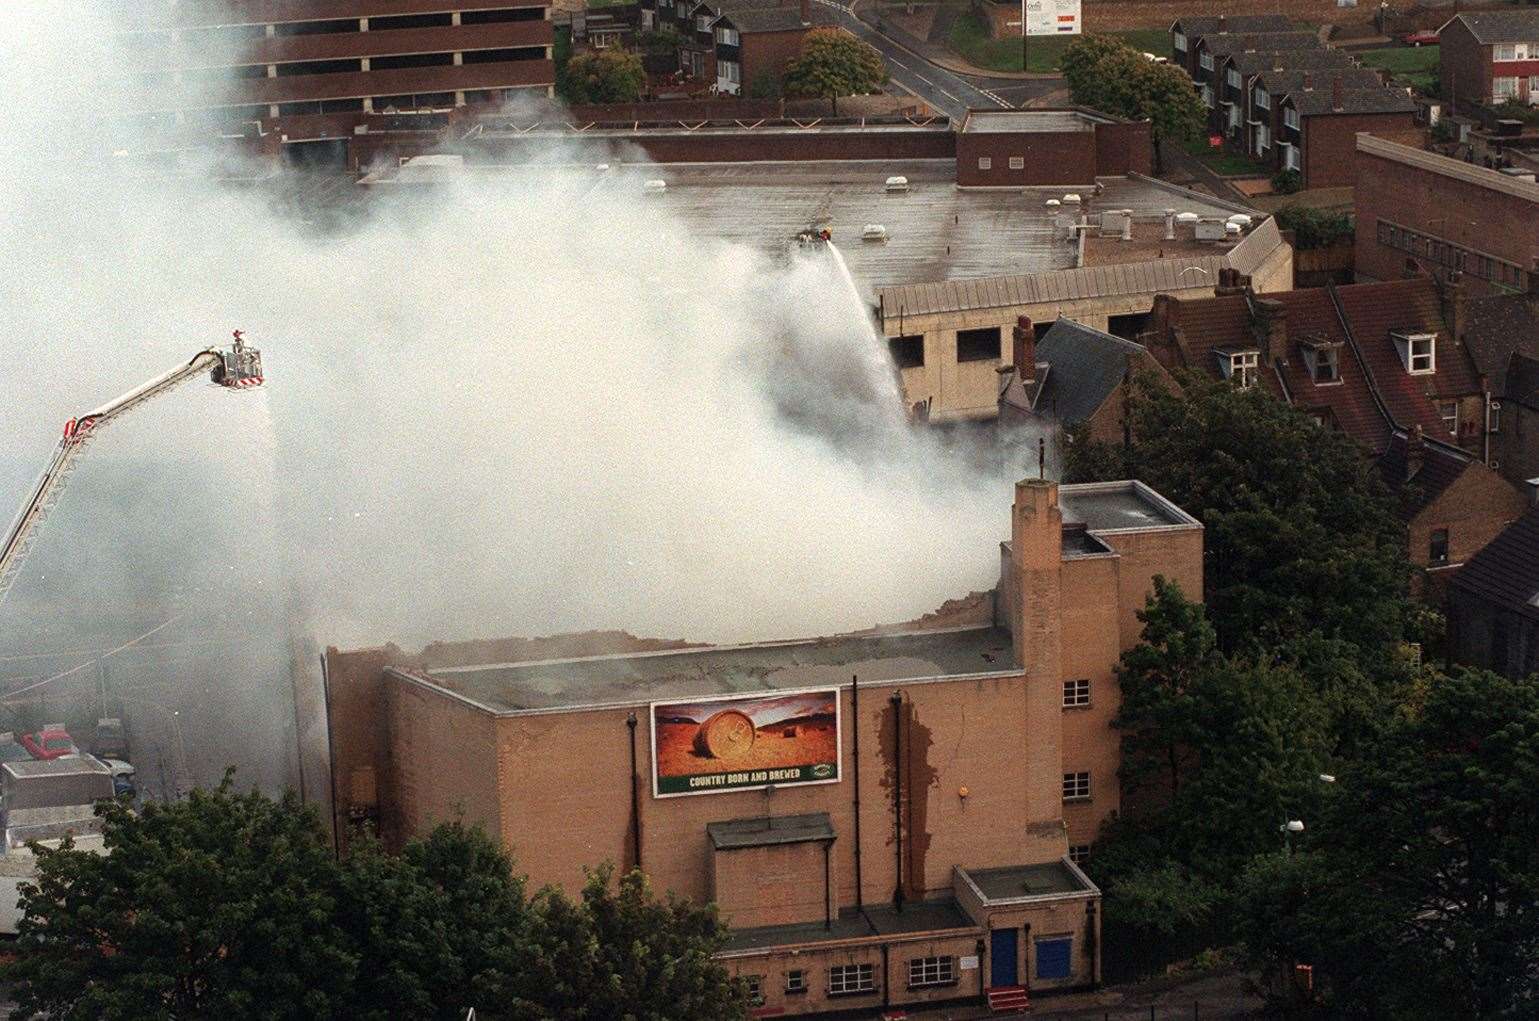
column 896, row 184
column 873, row 232
column 1053, row 204
column 1241, row 220
column 1071, row 199
column 656, row 186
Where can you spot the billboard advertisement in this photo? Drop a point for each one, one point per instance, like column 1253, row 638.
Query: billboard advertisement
column 1053, row 17
column 745, row 742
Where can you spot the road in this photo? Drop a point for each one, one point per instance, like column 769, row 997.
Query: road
column 950, row 93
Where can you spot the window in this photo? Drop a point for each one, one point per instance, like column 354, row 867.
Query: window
column 1448, row 411
column 1234, row 116
column 848, row 979
column 755, row 984
column 1494, row 417
column 907, row 351
column 703, row 22
column 1206, row 60
column 796, row 981
column 1017, row 162
column 985, row 163
column 1263, row 137
column 1179, row 40
column 1323, row 364
column 729, row 71
column 1263, row 98
column 978, row 345
column 1076, row 786
column 1437, row 548
column 932, row 971
column 1291, row 117
column 1079, row 853
column 1290, row 156
column 1055, row 954
column 1421, row 351
column 1233, row 78
column 726, row 36
column 1207, row 96
column 394, row 21
column 1242, row 368
column 1506, row 51
column 1076, row 693
column 1533, row 90
column 1504, row 88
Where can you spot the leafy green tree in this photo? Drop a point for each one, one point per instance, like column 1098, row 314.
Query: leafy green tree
column 1079, row 65
column 765, row 85
column 1111, row 76
column 1301, row 538
column 604, row 76
column 1315, row 228
column 222, row 905
column 1421, row 896
column 834, row 63
column 629, row 956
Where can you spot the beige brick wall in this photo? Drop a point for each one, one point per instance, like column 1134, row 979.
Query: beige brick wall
column 814, row 962
column 776, row 885
column 443, row 764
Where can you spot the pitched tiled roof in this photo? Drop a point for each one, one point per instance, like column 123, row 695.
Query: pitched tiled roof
column 1440, row 466
column 1194, row 27
column 1522, row 381
column 1375, row 311
column 1280, row 83
column 1086, row 365
column 1292, row 60
column 1322, row 100
column 1506, row 572
column 1496, row 328
column 775, row 19
column 1501, row 26
column 1219, row 43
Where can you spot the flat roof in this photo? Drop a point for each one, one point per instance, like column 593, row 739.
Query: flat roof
column 1113, row 506
column 935, row 230
column 876, row 921
column 1028, row 121
column 1013, row 882
column 68, row 765
column 723, row 670
column 770, row 831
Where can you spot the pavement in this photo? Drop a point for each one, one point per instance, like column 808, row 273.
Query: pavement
column 928, row 70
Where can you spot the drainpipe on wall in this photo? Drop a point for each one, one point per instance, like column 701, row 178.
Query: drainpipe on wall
column 897, row 797
column 855, row 712
column 630, row 723
column 1090, row 941
column 828, row 900
column 886, row 985
column 1026, row 959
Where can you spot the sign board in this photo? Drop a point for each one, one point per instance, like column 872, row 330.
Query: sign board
column 1053, row 17
column 968, row 963
column 745, row 742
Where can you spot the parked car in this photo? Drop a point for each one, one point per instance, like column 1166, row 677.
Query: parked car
column 52, row 742
column 110, row 741
column 11, row 750
column 1426, row 37
column 122, row 777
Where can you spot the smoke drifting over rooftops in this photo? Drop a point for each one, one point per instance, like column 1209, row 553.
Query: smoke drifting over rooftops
column 497, row 408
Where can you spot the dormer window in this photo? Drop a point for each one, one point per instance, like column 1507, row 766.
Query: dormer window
column 1240, row 367
column 1206, row 60
column 1418, row 352
column 1322, row 356
column 1179, row 38
column 1263, row 99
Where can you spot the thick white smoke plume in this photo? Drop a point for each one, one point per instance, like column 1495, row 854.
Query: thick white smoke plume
column 511, row 407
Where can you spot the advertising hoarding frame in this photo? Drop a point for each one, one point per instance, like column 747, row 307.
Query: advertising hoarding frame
column 835, row 690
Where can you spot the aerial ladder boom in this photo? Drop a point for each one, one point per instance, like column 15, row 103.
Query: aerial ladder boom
column 237, row 366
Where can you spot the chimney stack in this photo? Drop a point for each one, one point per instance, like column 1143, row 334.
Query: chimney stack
column 1415, row 451
column 1170, row 225
column 1271, row 330
column 1336, row 102
column 1034, row 603
column 1024, row 350
column 1309, row 81
column 1456, row 304
column 806, row 12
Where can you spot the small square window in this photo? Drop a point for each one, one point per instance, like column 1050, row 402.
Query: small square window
column 1076, row 693
column 848, row 979
column 755, row 985
column 1437, row 548
column 1448, row 411
column 1017, row 162
column 1079, row 853
column 796, row 981
column 1242, row 368
column 978, row 345
column 985, row 163
column 1422, row 351
column 1076, row 786
column 932, row 971
column 907, row 351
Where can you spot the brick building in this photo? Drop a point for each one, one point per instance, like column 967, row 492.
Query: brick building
column 314, row 70
column 1501, row 333
column 1489, row 57
column 1318, row 128
column 1186, row 32
column 1016, row 148
column 1493, row 604
column 1419, row 212
column 1380, row 362
column 960, row 774
column 755, row 45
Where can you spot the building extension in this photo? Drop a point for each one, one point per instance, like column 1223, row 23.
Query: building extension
column 884, row 818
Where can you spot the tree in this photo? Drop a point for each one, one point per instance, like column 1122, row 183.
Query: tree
column 1301, row 538
column 834, row 63
column 222, row 905
column 1421, row 898
column 631, row 957
column 604, row 76
column 765, row 85
column 1112, row 77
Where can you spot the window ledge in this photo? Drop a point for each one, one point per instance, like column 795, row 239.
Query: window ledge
column 934, row 985
column 1085, row 800
column 1081, row 707
column 854, row 992
column 797, row 992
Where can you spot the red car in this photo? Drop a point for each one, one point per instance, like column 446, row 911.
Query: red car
column 52, row 742
column 1426, row 37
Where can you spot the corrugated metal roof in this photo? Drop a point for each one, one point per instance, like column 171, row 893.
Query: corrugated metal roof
column 1457, row 170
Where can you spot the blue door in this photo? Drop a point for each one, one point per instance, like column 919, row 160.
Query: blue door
column 1002, row 971
column 1054, row 957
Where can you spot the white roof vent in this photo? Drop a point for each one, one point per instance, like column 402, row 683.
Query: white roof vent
column 1187, row 217
column 873, row 232
column 1241, row 220
column 896, row 184
column 1071, row 199
column 656, row 186
column 1053, row 204
column 602, row 168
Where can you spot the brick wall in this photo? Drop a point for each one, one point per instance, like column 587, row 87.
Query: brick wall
column 814, row 960
column 1474, row 509
column 1048, row 157
column 443, row 763
column 1465, row 74
column 776, row 885
column 1480, row 219
column 1330, row 141
column 746, row 146
column 1124, row 149
column 769, row 53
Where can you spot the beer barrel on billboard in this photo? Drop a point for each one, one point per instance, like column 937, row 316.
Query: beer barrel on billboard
column 725, row 735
